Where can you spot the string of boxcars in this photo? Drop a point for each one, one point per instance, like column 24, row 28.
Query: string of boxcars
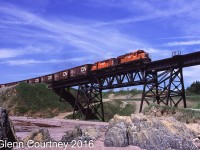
column 86, row 69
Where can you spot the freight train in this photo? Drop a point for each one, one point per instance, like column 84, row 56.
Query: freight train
column 84, row 70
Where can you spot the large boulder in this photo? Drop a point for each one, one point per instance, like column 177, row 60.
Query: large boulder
column 7, row 132
column 161, row 134
column 150, row 133
column 117, row 136
column 137, row 118
column 41, row 135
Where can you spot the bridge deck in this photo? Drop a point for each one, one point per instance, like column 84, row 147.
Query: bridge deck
column 186, row 60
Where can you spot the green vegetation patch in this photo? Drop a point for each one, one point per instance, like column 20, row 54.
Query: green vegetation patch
column 33, row 100
column 115, row 107
column 121, row 92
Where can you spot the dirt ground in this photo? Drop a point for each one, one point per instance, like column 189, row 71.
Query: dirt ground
column 57, row 128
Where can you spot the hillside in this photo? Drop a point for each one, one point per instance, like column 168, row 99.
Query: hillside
column 38, row 101
column 32, row 100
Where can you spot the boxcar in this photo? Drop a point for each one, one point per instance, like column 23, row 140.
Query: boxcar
column 2, row 85
column 80, row 71
column 64, row 74
column 34, row 80
column 56, row 76
column 47, row 78
column 61, row 75
column 11, row 84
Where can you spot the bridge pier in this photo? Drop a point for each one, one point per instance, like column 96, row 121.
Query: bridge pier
column 90, row 99
column 164, row 87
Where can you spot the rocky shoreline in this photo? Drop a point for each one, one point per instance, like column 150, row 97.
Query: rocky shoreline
column 134, row 132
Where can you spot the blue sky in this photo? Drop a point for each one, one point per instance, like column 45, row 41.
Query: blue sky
column 38, row 37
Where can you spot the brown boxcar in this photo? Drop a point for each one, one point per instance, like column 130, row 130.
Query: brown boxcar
column 11, row 84
column 2, row 85
column 80, row 71
column 26, row 81
column 56, row 76
column 64, row 74
column 61, row 75
column 106, row 63
column 139, row 54
column 47, row 78
column 34, row 80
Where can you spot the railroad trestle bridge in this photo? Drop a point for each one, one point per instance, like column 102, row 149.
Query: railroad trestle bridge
column 162, row 82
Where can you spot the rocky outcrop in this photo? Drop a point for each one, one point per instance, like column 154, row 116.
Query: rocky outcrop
column 117, row 119
column 183, row 115
column 72, row 135
column 42, row 135
column 117, row 136
column 86, row 134
column 149, row 133
column 7, row 132
column 90, row 133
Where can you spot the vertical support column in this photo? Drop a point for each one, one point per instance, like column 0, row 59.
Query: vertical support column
column 176, row 89
column 169, row 88
column 150, row 89
column 183, row 88
column 157, row 98
column 90, row 98
column 82, row 99
column 165, row 87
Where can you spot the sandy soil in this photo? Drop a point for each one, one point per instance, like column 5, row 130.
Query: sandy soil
column 57, row 127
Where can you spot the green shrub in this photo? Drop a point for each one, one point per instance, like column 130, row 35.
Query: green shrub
column 22, row 110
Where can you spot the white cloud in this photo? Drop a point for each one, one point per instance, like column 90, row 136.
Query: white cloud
column 192, row 42
column 181, row 37
column 7, row 53
column 33, row 61
column 29, row 50
column 84, row 37
column 148, row 10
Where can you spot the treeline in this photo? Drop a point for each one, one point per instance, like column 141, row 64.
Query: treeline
column 194, row 87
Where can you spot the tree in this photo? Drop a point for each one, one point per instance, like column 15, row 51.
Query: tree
column 194, row 87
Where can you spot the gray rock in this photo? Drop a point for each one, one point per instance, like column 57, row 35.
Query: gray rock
column 151, row 133
column 90, row 133
column 162, row 134
column 117, row 136
column 7, row 132
column 42, row 135
column 117, row 119
column 72, row 135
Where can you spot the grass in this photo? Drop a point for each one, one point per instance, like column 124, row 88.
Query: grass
column 36, row 99
column 121, row 92
column 106, row 94
column 198, row 106
column 195, row 98
column 115, row 107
